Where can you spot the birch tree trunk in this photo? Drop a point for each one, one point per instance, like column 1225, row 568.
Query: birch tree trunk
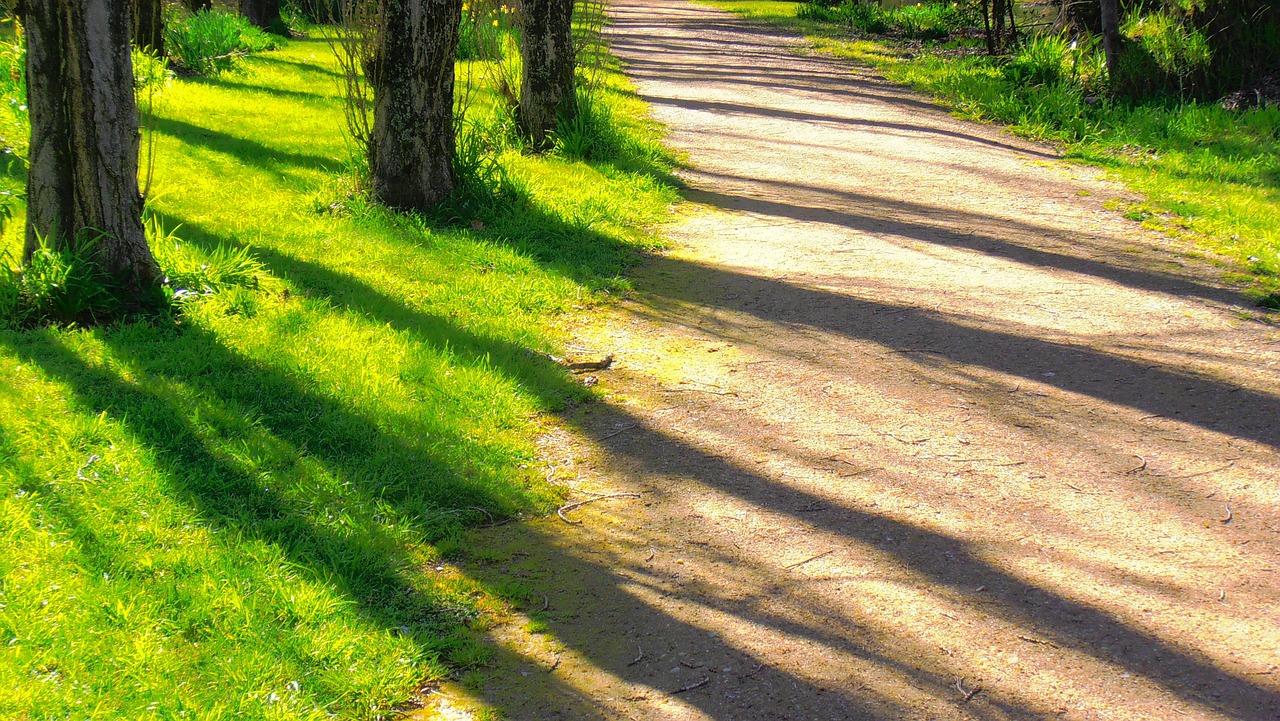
column 83, row 176
column 412, row 141
column 546, row 92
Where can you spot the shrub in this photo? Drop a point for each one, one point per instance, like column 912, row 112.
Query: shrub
column 56, row 286
column 1165, row 55
column 1042, row 60
column 191, row 273
column 212, row 42
column 928, row 21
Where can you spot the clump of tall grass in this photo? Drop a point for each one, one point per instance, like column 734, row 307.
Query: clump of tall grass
column 212, row 42
column 926, row 21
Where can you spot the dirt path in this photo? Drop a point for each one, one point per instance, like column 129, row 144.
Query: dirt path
column 920, row 430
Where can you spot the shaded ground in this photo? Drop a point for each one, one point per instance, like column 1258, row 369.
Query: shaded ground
column 920, row 431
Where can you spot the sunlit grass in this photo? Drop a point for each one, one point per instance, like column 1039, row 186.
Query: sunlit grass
column 1205, row 172
column 238, row 511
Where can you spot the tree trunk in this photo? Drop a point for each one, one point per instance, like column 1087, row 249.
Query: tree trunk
column 1111, row 35
column 264, row 14
column 83, row 177
column 148, row 30
column 546, row 93
column 411, row 71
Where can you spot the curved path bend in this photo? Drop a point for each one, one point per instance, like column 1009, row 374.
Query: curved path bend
column 920, row 431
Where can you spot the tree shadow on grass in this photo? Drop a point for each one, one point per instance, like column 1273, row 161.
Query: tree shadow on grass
column 244, row 150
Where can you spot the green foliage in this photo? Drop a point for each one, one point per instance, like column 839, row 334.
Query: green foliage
column 1206, row 171
column 926, row 21
column 487, row 29
column 214, row 41
column 237, row 510
column 1165, row 55
column 1042, row 60
column 150, row 72
column 15, row 123
column 57, row 285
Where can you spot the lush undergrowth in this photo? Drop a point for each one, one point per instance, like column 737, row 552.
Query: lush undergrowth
column 236, row 510
column 1211, row 173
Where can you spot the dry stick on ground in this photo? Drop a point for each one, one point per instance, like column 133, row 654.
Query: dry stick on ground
column 638, row 658
column 692, row 686
column 577, row 504
column 811, row 558
column 967, row 693
column 624, row 429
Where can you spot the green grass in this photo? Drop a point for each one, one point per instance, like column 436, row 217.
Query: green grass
column 237, row 511
column 1205, row 172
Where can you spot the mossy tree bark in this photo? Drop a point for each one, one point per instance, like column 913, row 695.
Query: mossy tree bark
column 264, row 14
column 546, row 92
column 411, row 70
column 148, row 30
column 83, row 175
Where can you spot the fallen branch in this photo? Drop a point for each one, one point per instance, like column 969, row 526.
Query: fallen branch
column 617, row 432
column 967, row 693
column 811, row 558
column 692, row 686
column 578, row 504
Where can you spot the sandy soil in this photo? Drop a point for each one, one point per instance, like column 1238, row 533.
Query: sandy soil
column 920, row 431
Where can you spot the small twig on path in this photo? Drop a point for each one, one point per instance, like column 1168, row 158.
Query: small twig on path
column 624, row 429
column 578, row 504
column 1137, row 469
column 638, row 658
column 699, row 390
column 901, row 440
column 811, row 558
column 967, row 693
column 1230, row 516
column 555, row 665
column 862, row 472
column 1078, row 489
column 1205, row 473
column 1039, row 641
column 546, row 603
column 1222, row 596
column 753, row 671
column 692, row 686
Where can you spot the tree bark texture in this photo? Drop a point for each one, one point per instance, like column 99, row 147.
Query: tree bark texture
column 411, row 71
column 83, row 175
column 148, row 22
column 546, row 92
column 264, row 14
column 1111, row 35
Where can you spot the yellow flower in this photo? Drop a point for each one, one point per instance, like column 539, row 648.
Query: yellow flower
column 495, row 23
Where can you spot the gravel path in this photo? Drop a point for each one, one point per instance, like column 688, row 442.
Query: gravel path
column 920, row 431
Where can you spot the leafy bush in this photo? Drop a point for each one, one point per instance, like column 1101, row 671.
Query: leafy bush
column 927, row 21
column 1042, row 60
column 485, row 29
column 191, row 273
column 212, row 42
column 55, row 286
column 1165, row 56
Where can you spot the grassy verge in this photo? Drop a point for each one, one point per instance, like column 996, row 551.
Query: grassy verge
column 240, row 511
column 1205, row 172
